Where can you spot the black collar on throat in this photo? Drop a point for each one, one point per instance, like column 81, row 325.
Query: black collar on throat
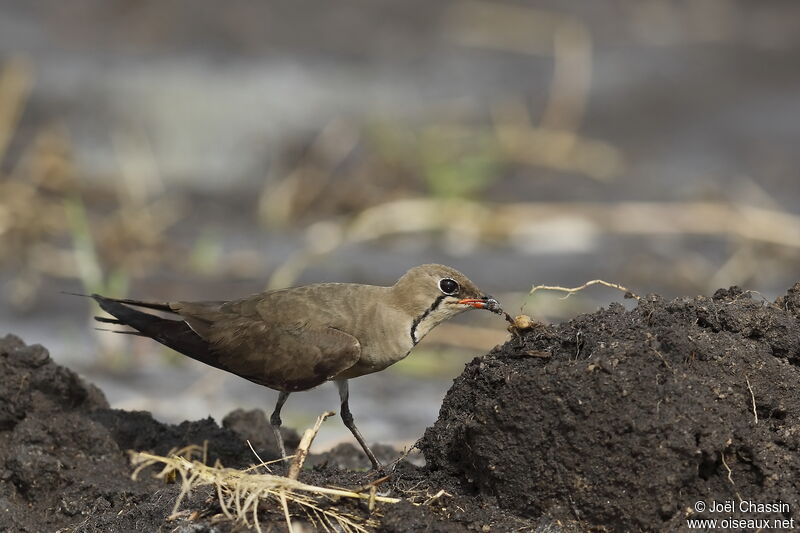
column 421, row 317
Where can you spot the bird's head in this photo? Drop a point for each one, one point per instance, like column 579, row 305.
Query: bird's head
column 438, row 292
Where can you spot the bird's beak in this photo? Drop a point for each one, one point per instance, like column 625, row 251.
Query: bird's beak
column 487, row 302
column 477, row 303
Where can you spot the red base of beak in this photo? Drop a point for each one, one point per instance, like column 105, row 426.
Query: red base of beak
column 474, row 302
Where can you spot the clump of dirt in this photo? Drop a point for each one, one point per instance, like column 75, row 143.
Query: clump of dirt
column 623, row 420
column 49, row 446
column 63, row 454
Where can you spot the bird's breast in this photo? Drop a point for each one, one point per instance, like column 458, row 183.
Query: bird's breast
column 384, row 342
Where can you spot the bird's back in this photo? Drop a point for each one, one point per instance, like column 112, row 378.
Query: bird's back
column 302, row 336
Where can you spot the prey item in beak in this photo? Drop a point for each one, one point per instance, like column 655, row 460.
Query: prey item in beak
column 488, row 303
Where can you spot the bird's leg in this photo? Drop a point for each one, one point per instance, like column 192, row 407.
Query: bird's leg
column 347, row 418
column 275, row 422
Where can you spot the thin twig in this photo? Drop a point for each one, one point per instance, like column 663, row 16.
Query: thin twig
column 573, row 290
column 373, row 483
column 436, row 497
column 730, row 478
column 722, row 454
column 260, row 460
column 286, row 511
column 752, row 398
column 405, row 454
column 305, row 443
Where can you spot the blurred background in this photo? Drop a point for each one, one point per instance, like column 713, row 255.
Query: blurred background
column 189, row 150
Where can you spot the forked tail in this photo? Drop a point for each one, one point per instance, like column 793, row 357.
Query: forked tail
column 175, row 334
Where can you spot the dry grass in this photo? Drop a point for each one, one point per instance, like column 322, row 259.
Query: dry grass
column 241, row 493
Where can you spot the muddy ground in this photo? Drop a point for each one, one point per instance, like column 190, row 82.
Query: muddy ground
column 614, row 421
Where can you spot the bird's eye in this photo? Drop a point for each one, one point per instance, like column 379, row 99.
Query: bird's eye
column 448, row 286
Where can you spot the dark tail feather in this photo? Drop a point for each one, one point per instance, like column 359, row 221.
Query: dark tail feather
column 157, row 306
column 107, row 320
column 175, row 334
column 136, row 333
column 138, row 303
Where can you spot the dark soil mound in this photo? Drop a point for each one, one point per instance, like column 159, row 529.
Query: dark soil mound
column 625, row 419
column 63, row 451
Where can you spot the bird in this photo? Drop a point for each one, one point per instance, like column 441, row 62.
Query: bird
column 294, row 339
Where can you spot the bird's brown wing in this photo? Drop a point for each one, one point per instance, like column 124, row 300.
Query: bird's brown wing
column 283, row 354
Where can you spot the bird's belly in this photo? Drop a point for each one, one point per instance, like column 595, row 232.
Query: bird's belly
column 369, row 363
